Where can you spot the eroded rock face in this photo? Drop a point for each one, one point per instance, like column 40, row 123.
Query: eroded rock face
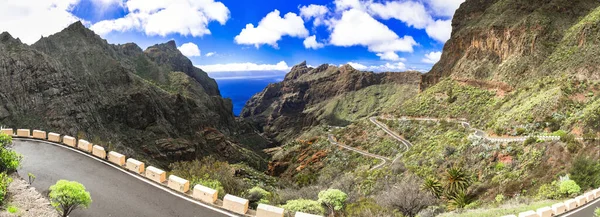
column 150, row 104
column 509, row 41
column 304, row 97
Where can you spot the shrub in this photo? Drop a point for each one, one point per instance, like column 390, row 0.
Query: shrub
column 520, row 131
column 405, row 198
column 31, row 178
column 367, row 207
column 9, row 160
column 549, row 191
column 499, row 198
column 597, row 212
column 459, row 200
column 5, row 140
column 573, row 146
column 333, row 199
column 500, row 166
column 258, row 195
column 303, row 205
column 569, row 188
column 456, row 180
column 67, row 196
column 208, row 170
column 210, row 183
column 586, row 172
column 12, row 209
column 433, row 186
column 530, row 140
column 4, row 182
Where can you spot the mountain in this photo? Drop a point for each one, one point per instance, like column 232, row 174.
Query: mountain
column 329, row 95
column 151, row 104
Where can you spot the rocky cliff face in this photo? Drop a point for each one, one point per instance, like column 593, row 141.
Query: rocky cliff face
column 150, row 104
column 510, row 41
column 325, row 95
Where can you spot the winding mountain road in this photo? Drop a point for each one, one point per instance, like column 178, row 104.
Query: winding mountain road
column 114, row 191
column 384, row 160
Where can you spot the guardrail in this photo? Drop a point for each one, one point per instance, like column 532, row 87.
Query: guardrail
column 199, row 193
column 562, row 208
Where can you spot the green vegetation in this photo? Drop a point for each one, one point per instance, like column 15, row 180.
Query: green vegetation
column 210, row 173
column 569, row 188
column 12, row 209
column 9, row 162
column 4, row 182
column 507, row 209
column 31, row 178
column 597, row 212
column 586, row 172
column 67, row 196
column 303, row 205
column 333, row 199
column 258, row 195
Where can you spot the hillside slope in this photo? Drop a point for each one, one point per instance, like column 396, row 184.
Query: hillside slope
column 327, row 94
column 152, row 104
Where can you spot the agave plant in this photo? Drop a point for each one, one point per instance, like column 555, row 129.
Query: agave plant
column 456, row 180
column 433, row 186
column 459, row 200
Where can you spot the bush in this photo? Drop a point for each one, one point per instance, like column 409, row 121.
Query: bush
column 9, row 160
column 597, row 212
column 208, row 170
column 12, row 209
column 367, row 207
column 549, row 191
column 406, row 197
column 210, row 183
column 67, row 196
column 530, row 140
column 573, row 146
column 258, row 195
column 5, row 140
column 303, row 205
column 586, row 172
column 333, row 199
column 499, row 198
column 569, row 188
column 4, row 182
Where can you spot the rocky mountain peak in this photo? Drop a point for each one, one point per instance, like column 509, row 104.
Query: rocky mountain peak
column 6, row 38
column 297, row 71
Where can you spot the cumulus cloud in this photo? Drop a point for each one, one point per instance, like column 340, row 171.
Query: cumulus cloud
column 440, row 30
column 190, row 49
column 359, row 28
column 317, row 12
column 399, row 66
column 432, row 57
column 311, row 43
column 271, row 28
column 237, row 67
column 444, row 8
column 210, row 54
column 163, row 17
column 412, row 13
column 32, row 19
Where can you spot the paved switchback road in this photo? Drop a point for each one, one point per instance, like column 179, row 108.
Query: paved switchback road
column 114, row 192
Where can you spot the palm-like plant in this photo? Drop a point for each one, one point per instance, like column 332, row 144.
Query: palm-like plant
column 456, row 180
column 433, row 186
column 459, row 200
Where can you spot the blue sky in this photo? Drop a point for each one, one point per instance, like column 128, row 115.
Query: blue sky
column 228, row 35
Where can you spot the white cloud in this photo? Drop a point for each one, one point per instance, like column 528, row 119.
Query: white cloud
column 210, row 54
column 341, row 5
column 271, row 28
column 412, row 13
column 30, row 20
column 237, row 67
column 444, row 8
column 440, row 30
column 163, row 17
column 317, row 12
column 399, row 66
column 392, row 56
column 190, row 49
column 359, row 28
column 432, row 57
column 311, row 43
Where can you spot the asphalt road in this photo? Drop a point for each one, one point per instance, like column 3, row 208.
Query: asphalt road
column 586, row 211
column 383, row 159
column 114, row 192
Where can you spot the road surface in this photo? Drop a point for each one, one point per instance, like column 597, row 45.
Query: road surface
column 383, row 159
column 114, row 192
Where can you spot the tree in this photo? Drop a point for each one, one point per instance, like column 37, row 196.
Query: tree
column 67, row 196
column 406, row 197
column 333, row 199
column 455, row 181
column 585, row 172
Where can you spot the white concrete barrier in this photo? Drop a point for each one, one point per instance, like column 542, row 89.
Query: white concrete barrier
column 23, row 133
column 116, row 158
column 178, row 184
column 529, row 213
column 301, row 214
column 235, row 204
column 544, row 212
column 156, row 174
column 99, row 151
column 590, row 196
column 264, row 210
column 205, row 194
column 581, row 200
column 596, row 193
column 85, row 145
column 8, row 131
column 70, row 141
column 559, row 208
column 38, row 134
column 571, row 204
column 135, row 166
column 54, row 137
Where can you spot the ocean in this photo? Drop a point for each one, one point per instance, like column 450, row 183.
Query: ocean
column 240, row 90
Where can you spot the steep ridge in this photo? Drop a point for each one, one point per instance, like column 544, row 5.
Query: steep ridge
column 327, row 94
column 150, row 104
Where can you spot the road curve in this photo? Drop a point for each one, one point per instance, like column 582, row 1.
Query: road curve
column 384, row 160
column 114, row 192
column 406, row 143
